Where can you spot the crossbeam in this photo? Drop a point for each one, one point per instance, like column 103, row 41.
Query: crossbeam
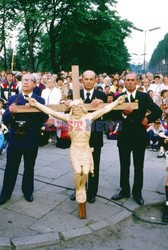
column 64, row 108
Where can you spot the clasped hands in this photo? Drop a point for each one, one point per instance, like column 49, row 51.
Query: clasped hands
column 31, row 102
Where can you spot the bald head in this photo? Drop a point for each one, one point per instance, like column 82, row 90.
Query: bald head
column 88, row 79
column 89, row 72
column 131, row 82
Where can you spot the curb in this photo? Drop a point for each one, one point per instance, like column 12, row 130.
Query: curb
column 44, row 240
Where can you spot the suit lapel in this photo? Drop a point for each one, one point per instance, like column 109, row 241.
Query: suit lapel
column 94, row 95
column 126, row 99
column 20, row 99
column 82, row 94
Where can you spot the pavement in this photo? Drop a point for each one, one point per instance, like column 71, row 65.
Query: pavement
column 52, row 218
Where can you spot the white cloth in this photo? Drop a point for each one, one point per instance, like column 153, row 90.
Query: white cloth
column 156, row 88
column 51, row 96
column 163, row 86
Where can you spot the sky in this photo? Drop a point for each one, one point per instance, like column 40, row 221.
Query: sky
column 145, row 15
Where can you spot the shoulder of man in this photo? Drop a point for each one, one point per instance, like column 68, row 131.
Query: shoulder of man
column 38, row 98
column 13, row 98
column 100, row 95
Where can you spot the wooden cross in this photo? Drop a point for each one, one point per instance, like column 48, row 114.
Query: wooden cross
column 76, row 95
column 63, row 108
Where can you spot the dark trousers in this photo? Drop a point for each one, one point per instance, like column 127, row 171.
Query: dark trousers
column 153, row 137
column 93, row 181
column 14, row 156
column 138, row 161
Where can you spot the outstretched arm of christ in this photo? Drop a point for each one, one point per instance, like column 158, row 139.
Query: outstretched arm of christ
column 47, row 110
column 96, row 114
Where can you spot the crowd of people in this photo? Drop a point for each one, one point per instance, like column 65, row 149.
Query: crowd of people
column 149, row 123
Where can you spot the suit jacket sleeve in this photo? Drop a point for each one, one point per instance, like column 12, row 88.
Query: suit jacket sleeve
column 155, row 111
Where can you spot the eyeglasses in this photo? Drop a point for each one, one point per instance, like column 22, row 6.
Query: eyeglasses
column 130, row 80
column 27, row 80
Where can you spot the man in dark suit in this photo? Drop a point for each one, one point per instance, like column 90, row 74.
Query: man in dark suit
column 90, row 95
column 23, row 141
column 133, row 138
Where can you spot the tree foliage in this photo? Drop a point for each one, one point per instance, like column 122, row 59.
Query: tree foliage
column 159, row 59
column 7, row 24
column 55, row 34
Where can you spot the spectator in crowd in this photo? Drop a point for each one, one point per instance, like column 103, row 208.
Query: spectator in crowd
column 23, row 72
column 44, row 79
column 116, row 76
column 23, row 141
column 156, row 87
column 162, row 100
column 63, row 88
column 101, row 83
column 146, row 85
column 114, row 86
column 110, row 97
column 153, row 134
column 99, row 88
column 2, row 110
column 2, row 76
column 19, row 82
column 119, row 90
column 3, row 137
column 69, row 82
column 8, row 87
column 164, row 122
column 133, row 138
column 51, row 94
column 39, row 82
column 150, row 77
column 164, row 85
column 107, row 89
column 150, row 93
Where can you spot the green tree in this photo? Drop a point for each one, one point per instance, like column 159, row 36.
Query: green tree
column 96, row 41
column 31, row 16
column 86, row 34
column 7, row 24
column 159, row 56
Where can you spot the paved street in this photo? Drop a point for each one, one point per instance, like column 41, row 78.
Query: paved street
column 52, row 218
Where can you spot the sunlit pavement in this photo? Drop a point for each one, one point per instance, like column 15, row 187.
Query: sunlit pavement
column 52, row 217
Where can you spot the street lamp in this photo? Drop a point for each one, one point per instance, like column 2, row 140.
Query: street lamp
column 145, row 31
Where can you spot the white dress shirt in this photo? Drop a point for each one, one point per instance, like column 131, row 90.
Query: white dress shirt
column 85, row 93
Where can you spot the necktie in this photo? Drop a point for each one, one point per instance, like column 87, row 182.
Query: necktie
column 87, row 100
column 132, row 98
column 26, row 96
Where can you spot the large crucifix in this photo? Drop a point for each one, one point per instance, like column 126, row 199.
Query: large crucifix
column 80, row 151
column 76, row 95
